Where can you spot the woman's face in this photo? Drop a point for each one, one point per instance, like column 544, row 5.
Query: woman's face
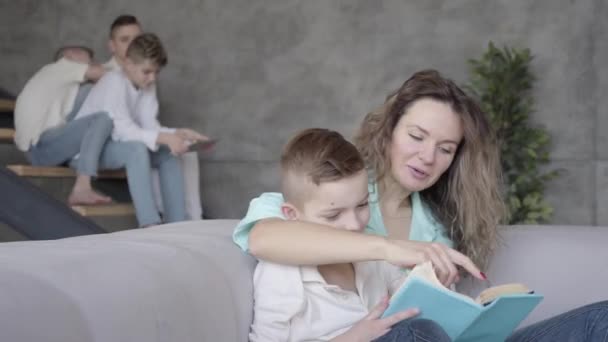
column 424, row 144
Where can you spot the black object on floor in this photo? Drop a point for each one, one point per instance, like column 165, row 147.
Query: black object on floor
column 37, row 215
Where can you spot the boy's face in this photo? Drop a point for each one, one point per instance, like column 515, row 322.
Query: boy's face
column 121, row 38
column 342, row 204
column 142, row 74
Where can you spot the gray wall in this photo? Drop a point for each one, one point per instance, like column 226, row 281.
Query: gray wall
column 253, row 72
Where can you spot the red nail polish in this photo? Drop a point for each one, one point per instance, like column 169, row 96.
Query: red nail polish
column 483, row 275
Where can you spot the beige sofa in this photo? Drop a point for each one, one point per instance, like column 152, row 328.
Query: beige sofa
column 188, row 282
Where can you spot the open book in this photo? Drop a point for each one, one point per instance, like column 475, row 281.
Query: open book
column 492, row 316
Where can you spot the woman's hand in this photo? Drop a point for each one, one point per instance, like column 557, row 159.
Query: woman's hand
column 372, row 326
column 445, row 260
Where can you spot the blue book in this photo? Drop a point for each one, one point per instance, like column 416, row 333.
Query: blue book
column 491, row 317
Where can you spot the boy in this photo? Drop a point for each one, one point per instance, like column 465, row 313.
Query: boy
column 44, row 127
column 323, row 180
column 138, row 140
column 122, row 31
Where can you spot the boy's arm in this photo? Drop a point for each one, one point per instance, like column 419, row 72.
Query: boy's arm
column 114, row 93
column 69, row 72
column 148, row 112
column 148, row 117
column 267, row 205
column 94, row 72
column 278, row 297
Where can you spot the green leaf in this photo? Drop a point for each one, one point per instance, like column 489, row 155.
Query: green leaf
column 501, row 79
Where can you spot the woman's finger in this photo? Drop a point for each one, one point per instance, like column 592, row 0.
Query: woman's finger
column 449, row 268
column 440, row 267
column 466, row 263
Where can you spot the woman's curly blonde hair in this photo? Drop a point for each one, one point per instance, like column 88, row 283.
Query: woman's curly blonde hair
column 466, row 199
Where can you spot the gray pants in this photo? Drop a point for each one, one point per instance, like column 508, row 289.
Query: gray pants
column 84, row 137
column 139, row 161
column 60, row 144
column 89, row 138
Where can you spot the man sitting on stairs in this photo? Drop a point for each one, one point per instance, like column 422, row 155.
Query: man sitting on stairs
column 45, row 128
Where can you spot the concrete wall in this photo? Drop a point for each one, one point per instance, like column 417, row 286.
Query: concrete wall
column 253, row 72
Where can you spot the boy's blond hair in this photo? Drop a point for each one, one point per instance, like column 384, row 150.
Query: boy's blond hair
column 147, row 46
column 316, row 156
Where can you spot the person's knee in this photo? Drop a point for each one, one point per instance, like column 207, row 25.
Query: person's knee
column 190, row 157
column 137, row 153
column 424, row 324
column 103, row 122
column 164, row 155
column 600, row 308
column 597, row 306
column 603, row 304
column 426, row 328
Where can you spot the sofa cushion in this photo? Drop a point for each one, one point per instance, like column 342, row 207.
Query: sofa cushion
column 567, row 264
column 180, row 282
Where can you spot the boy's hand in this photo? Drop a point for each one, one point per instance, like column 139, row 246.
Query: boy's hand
column 191, row 135
column 372, row 326
column 176, row 143
column 94, row 72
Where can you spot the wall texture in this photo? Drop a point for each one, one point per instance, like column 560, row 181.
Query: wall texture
column 253, row 72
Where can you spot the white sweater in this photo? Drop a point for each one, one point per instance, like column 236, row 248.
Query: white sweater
column 46, row 100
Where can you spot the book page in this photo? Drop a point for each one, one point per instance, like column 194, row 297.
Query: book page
column 491, row 293
column 426, row 272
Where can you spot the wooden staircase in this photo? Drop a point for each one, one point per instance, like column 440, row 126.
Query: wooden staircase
column 41, row 175
column 7, row 135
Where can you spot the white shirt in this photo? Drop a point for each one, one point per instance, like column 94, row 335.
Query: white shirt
column 46, row 100
column 112, row 64
column 295, row 303
column 133, row 111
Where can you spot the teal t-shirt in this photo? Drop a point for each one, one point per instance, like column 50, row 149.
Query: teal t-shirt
column 423, row 227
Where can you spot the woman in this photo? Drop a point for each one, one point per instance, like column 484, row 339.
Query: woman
column 435, row 186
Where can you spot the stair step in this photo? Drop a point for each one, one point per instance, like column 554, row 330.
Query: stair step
column 7, row 135
column 114, row 209
column 58, row 171
column 7, row 105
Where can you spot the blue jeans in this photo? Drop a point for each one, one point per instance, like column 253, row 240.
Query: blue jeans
column 139, row 161
column 85, row 136
column 587, row 323
column 415, row 330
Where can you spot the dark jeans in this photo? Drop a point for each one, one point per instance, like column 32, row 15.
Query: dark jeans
column 587, row 323
column 415, row 330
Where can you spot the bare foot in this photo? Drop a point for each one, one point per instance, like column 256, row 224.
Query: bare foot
column 87, row 197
